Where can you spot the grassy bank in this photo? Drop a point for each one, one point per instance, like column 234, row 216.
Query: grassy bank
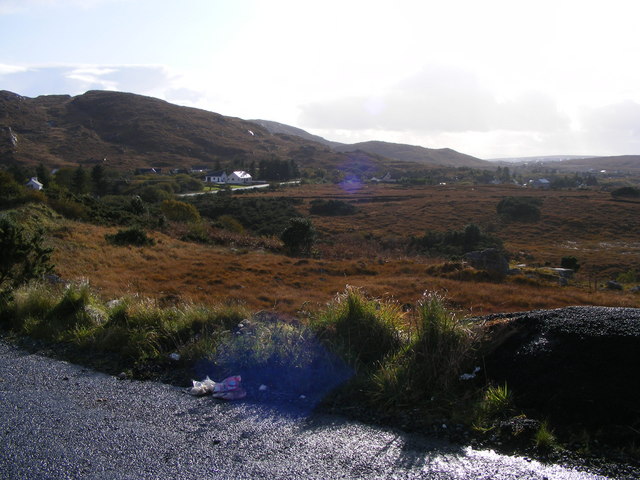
column 357, row 351
column 370, row 358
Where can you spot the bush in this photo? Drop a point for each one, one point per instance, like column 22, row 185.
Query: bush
column 227, row 222
column 262, row 216
column 178, row 211
column 331, row 207
column 454, row 243
column 299, row 236
column 631, row 192
column 519, row 209
column 570, row 262
column 630, row 276
column 131, row 236
column 68, row 208
column 22, row 256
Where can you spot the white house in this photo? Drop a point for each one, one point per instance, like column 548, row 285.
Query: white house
column 216, row 177
column 34, row 183
column 541, row 183
column 239, row 176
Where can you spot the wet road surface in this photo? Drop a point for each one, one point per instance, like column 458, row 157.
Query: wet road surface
column 62, row 421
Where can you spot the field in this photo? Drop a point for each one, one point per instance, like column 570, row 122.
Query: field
column 368, row 249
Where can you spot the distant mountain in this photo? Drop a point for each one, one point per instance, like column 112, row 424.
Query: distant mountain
column 534, row 159
column 426, row 157
column 444, row 157
column 621, row 163
column 577, row 163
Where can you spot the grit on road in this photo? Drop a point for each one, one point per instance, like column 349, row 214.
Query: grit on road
column 62, row 421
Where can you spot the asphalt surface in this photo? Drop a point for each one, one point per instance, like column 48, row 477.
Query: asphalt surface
column 62, row 421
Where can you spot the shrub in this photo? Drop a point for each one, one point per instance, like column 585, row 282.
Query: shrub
column 22, row 256
column 519, row 209
column 331, row 207
column 178, row 211
column 262, row 216
column 131, row 236
column 229, row 223
column 631, row 192
column 630, row 276
column 299, row 236
column 454, row 243
column 570, row 262
column 68, row 207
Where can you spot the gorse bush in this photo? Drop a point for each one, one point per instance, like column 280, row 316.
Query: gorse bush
column 299, row 236
column 454, row 243
column 131, row 236
column 629, row 192
column 22, row 256
column 177, row 211
column 331, row 207
column 262, row 216
column 519, row 209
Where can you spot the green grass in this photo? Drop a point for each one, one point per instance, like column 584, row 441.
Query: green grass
column 544, row 438
column 495, row 404
column 363, row 331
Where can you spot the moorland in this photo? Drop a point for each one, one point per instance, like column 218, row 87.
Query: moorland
column 371, row 248
column 349, row 264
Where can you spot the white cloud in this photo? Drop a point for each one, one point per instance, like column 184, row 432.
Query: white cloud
column 8, row 7
column 439, row 99
column 9, row 69
column 37, row 80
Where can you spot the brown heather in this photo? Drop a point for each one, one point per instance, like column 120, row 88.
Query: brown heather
column 367, row 250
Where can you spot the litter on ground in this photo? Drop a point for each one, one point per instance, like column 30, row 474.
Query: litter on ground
column 227, row 389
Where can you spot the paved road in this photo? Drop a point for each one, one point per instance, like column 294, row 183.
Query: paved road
column 61, row 421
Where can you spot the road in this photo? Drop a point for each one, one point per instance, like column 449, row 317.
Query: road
column 62, row 421
column 251, row 187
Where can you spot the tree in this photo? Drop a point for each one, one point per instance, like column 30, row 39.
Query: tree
column 299, row 236
column 11, row 192
column 79, row 180
column 43, row 175
column 99, row 179
column 22, row 256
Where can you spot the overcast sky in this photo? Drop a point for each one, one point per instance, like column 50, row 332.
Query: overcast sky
column 489, row 78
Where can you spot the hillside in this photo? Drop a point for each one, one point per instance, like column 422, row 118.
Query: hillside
column 621, row 163
column 281, row 128
column 425, row 157
column 442, row 157
column 132, row 131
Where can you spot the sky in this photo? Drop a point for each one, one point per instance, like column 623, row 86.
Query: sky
column 490, row 78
